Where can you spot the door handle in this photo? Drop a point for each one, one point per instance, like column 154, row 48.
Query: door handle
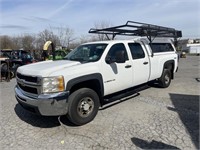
column 128, row 66
column 145, row 63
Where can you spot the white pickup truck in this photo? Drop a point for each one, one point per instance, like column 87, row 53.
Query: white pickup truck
column 78, row 85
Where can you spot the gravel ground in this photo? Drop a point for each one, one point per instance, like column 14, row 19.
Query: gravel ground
column 155, row 119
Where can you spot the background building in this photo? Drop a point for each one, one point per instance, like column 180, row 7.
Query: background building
column 191, row 46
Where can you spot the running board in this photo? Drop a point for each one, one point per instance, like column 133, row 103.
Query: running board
column 123, row 95
column 118, row 96
column 110, row 103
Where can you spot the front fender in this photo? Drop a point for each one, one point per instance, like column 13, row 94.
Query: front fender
column 77, row 80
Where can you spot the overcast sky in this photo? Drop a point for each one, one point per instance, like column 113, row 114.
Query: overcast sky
column 33, row 16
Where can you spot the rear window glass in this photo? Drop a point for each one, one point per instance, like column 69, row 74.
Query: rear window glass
column 161, row 47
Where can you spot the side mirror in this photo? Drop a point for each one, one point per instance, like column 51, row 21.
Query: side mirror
column 110, row 60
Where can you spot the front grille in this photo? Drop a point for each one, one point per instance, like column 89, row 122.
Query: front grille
column 27, row 78
column 28, row 89
column 29, row 84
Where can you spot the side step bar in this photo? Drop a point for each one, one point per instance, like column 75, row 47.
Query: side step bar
column 121, row 96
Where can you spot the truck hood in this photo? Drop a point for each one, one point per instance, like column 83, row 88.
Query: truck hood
column 45, row 68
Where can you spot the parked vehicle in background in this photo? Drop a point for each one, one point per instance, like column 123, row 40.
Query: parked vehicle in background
column 98, row 72
column 5, row 71
column 4, row 55
column 183, row 55
column 15, row 58
column 59, row 54
column 55, row 54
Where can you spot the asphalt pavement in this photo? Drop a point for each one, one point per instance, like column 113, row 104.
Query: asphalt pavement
column 155, row 118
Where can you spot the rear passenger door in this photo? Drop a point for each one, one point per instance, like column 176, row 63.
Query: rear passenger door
column 140, row 63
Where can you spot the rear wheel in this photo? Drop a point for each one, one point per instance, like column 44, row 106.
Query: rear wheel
column 83, row 106
column 165, row 79
column 4, row 70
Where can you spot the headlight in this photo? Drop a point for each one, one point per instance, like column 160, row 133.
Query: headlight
column 53, row 84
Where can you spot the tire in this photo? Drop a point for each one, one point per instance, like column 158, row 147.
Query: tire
column 83, row 106
column 12, row 74
column 165, row 79
column 4, row 70
column 15, row 69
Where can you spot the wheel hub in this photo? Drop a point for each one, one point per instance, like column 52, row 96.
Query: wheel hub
column 85, row 107
column 166, row 79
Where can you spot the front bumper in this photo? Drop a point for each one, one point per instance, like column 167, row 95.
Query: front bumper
column 45, row 104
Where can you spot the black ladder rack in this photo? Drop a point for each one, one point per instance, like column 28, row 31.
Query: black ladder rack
column 132, row 28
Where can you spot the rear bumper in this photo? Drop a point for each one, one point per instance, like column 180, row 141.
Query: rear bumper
column 45, row 104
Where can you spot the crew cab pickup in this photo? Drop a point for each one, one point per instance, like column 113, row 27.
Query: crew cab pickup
column 77, row 85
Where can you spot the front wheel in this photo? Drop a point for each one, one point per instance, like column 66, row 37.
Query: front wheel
column 83, row 106
column 165, row 79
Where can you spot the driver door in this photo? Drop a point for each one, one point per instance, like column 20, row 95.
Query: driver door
column 116, row 76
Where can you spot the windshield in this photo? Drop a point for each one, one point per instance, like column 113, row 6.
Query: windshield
column 87, row 53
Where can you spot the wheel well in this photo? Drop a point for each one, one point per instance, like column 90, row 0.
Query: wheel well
column 92, row 84
column 170, row 65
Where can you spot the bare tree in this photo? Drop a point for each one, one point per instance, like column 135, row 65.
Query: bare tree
column 44, row 36
column 5, row 42
column 100, row 25
column 84, row 39
column 47, row 35
column 17, row 42
column 28, row 42
column 66, row 36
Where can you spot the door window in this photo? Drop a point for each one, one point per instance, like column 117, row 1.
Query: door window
column 136, row 50
column 115, row 50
